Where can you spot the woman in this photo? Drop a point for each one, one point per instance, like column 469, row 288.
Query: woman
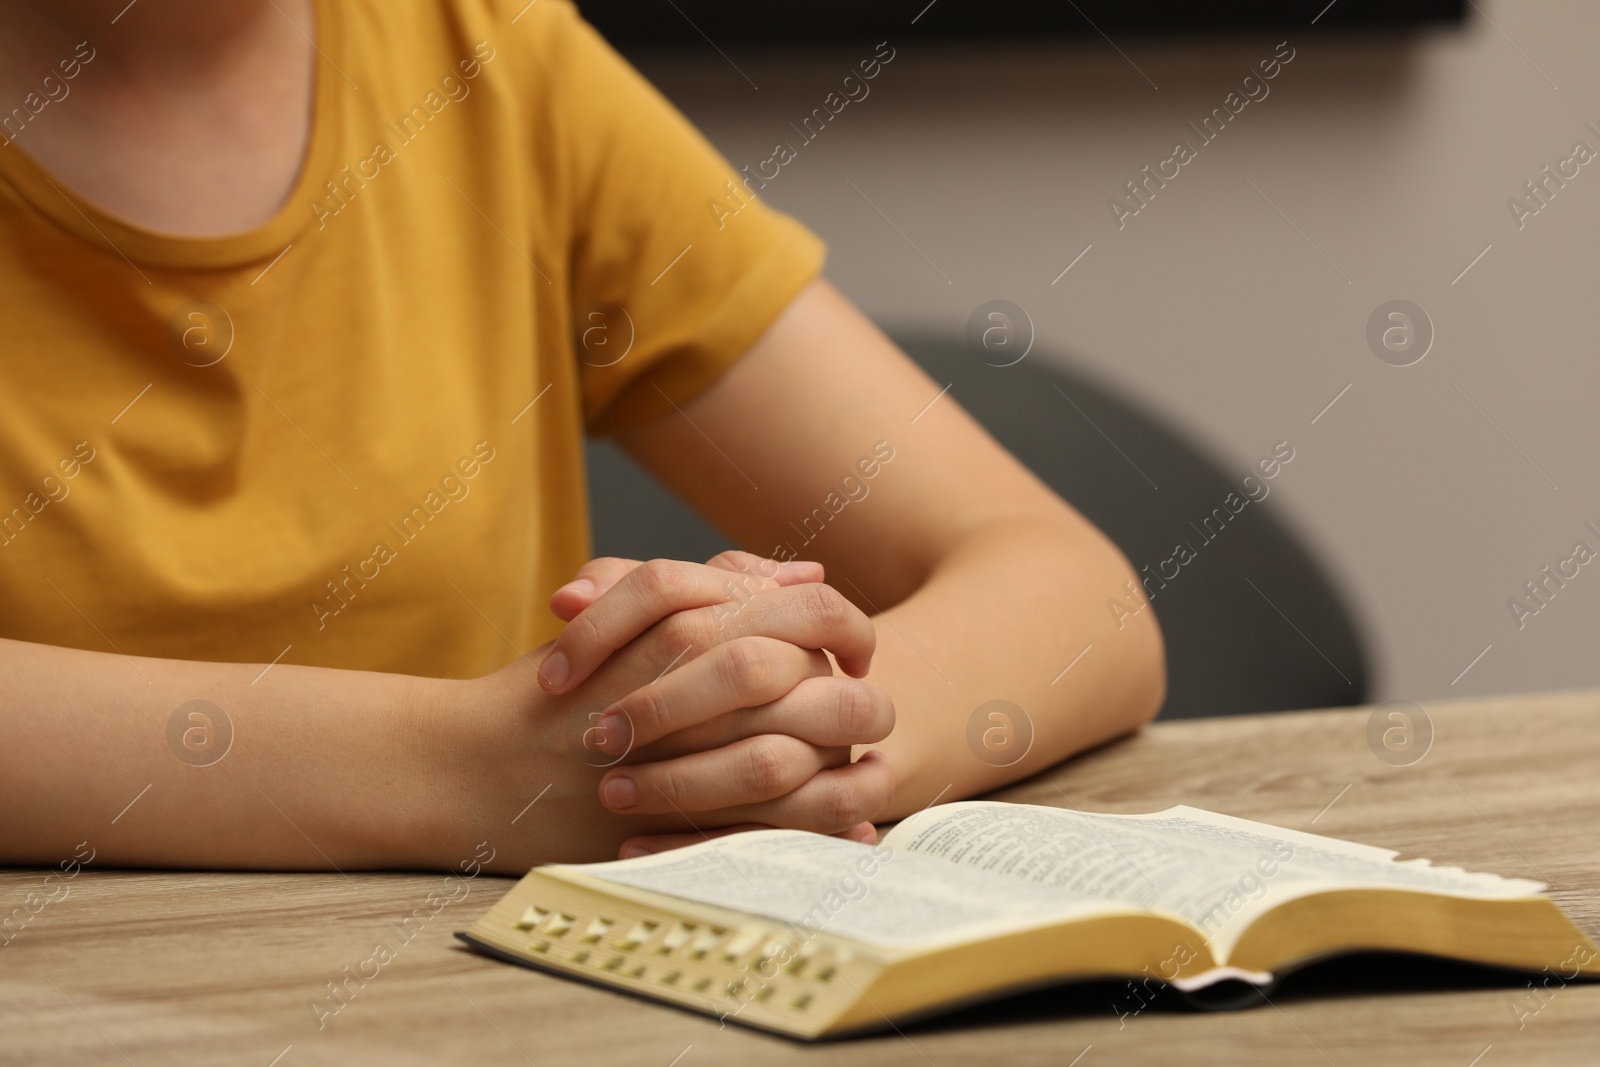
column 306, row 306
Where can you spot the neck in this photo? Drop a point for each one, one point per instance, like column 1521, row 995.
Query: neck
column 184, row 116
column 173, row 36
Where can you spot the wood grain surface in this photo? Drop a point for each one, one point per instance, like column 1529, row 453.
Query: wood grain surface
column 144, row 968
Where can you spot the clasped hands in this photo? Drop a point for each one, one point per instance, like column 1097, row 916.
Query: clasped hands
column 746, row 725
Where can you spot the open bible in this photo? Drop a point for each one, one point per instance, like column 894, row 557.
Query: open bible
column 813, row 936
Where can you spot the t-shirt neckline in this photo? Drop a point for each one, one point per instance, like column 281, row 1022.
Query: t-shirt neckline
column 120, row 238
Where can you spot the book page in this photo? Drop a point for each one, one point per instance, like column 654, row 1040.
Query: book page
column 818, row 883
column 1215, row 871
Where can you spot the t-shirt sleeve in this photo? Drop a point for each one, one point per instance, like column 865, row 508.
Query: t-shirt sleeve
column 676, row 267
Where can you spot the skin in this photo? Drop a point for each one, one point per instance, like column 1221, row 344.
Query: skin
column 193, row 117
column 818, row 695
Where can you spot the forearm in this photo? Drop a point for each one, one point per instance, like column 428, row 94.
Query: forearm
column 1001, row 617
column 294, row 768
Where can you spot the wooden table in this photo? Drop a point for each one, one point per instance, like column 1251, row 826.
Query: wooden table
column 188, row 968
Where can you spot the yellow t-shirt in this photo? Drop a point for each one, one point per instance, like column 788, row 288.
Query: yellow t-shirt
column 351, row 437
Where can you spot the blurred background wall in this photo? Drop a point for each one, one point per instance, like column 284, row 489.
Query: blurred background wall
column 1235, row 305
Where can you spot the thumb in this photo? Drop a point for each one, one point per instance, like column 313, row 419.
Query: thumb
column 598, row 575
column 789, row 572
column 588, row 585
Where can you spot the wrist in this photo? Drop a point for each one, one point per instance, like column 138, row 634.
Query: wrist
column 440, row 747
column 925, row 763
column 485, row 752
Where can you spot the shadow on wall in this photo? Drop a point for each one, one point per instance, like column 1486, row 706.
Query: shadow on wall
column 1251, row 620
